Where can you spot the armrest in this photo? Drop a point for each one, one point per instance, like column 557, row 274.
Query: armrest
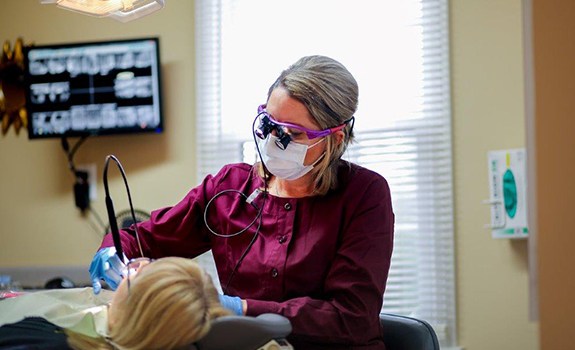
column 244, row 332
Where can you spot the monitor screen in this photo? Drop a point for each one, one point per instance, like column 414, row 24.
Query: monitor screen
column 97, row 88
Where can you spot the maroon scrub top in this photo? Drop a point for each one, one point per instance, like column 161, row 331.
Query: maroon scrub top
column 321, row 261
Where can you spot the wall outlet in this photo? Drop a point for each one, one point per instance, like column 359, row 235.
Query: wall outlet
column 92, row 171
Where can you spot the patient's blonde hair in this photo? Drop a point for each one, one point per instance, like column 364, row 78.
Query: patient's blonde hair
column 169, row 306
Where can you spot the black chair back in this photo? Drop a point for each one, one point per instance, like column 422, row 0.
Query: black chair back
column 407, row 333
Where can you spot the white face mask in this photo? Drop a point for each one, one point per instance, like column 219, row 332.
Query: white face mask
column 286, row 164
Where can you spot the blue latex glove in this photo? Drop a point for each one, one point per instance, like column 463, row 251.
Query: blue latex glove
column 107, row 266
column 234, row 304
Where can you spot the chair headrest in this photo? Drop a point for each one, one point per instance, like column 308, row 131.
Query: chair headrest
column 244, row 332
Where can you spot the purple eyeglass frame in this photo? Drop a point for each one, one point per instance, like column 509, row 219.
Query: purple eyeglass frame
column 311, row 134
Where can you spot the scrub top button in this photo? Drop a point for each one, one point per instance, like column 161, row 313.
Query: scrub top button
column 287, row 206
column 274, row 272
column 282, row 239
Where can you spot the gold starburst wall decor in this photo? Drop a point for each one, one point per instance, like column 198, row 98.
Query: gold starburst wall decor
column 12, row 93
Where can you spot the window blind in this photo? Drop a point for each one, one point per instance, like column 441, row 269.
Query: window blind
column 399, row 53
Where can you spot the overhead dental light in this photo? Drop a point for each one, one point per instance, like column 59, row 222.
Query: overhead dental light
column 120, row 10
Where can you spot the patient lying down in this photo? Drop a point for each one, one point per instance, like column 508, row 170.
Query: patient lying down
column 167, row 304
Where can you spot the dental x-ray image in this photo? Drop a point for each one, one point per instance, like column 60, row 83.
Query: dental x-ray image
column 94, row 88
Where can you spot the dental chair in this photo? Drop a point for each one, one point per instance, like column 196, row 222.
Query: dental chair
column 227, row 333
column 407, row 333
column 244, row 332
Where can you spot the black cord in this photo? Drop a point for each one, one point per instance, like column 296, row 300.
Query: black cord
column 256, row 234
column 245, row 252
column 267, row 173
column 110, row 208
column 77, row 146
column 248, row 200
column 81, row 185
column 70, row 153
column 259, row 216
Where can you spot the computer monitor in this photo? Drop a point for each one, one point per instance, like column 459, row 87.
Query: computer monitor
column 93, row 88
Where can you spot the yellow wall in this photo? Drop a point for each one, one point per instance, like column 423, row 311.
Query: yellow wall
column 554, row 78
column 39, row 223
column 40, row 226
column 488, row 114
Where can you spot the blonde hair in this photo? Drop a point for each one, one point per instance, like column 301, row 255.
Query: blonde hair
column 169, row 306
column 330, row 93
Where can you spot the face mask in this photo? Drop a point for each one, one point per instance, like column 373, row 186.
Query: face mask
column 286, row 164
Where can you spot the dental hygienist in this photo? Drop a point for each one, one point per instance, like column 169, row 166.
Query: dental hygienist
column 303, row 233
